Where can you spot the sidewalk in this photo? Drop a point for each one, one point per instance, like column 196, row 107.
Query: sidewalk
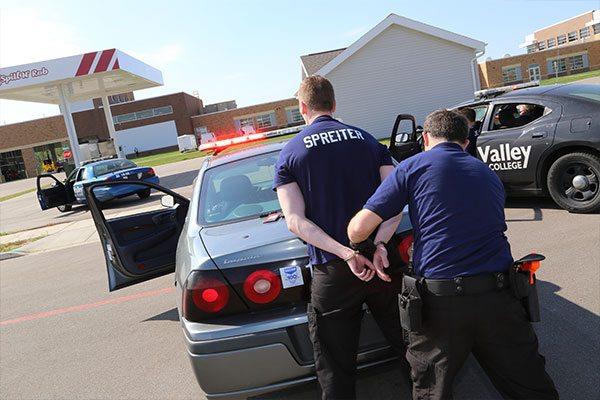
column 56, row 236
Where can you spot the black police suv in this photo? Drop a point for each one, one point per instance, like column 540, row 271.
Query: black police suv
column 542, row 140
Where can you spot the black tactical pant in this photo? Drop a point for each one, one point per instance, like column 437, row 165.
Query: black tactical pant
column 334, row 320
column 494, row 327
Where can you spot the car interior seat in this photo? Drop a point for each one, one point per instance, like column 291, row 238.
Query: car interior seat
column 237, row 189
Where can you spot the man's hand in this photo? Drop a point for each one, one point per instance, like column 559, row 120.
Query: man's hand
column 361, row 267
column 380, row 262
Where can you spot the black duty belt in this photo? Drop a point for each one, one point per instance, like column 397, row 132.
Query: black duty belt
column 466, row 285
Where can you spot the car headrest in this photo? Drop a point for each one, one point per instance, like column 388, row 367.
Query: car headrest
column 236, row 187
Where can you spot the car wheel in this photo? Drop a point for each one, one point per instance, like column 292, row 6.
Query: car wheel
column 144, row 194
column 573, row 182
column 65, row 207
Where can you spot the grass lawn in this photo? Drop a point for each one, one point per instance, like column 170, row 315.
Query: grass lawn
column 570, row 78
column 4, row 247
column 155, row 160
column 13, row 195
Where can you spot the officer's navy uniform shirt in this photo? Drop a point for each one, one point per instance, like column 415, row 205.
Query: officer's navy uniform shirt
column 336, row 167
column 456, row 207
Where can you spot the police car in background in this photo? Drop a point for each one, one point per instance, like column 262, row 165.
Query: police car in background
column 540, row 140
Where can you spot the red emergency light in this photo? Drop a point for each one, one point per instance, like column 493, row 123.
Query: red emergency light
column 230, row 142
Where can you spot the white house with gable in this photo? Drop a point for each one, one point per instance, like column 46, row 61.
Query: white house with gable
column 401, row 66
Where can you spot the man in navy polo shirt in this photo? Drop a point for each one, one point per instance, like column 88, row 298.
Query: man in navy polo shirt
column 323, row 177
column 456, row 206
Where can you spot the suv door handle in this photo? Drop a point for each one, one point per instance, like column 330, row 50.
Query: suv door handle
column 538, row 135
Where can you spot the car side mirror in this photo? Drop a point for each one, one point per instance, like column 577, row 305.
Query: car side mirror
column 167, row 201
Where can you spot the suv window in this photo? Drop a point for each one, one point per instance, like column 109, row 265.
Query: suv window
column 514, row 115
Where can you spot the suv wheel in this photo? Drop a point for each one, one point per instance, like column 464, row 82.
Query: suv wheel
column 573, row 182
column 144, row 194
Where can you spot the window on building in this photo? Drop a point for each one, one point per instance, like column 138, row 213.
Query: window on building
column 584, row 32
column 201, row 130
column 577, row 62
column 551, row 43
column 531, row 48
column 265, row 120
column 572, row 36
column 125, row 118
column 557, row 66
column 163, row 110
column 144, row 114
column 596, row 28
column 245, row 124
column 562, row 39
column 542, row 46
column 294, row 116
column 511, row 74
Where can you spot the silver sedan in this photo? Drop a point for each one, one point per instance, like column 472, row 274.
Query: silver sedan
column 242, row 279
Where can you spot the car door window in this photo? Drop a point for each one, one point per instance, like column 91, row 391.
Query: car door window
column 82, row 175
column 73, row 175
column 515, row 115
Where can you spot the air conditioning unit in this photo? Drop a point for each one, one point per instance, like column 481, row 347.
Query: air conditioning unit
column 186, row 142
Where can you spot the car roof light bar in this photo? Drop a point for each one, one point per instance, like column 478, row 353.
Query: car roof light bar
column 493, row 92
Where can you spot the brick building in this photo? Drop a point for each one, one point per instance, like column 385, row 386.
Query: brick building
column 24, row 145
column 256, row 118
column 568, row 47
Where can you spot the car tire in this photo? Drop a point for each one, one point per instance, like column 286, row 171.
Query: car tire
column 144, row 194
column 65, row 207
column 573, row 182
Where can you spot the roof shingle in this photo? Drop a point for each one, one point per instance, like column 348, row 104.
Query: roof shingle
column 314, row 61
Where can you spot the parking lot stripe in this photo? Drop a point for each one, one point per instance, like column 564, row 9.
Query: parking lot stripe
column 83, row 307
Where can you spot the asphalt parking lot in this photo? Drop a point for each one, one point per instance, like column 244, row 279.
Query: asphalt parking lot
column 63, row 336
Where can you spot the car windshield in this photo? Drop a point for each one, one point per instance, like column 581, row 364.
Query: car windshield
column 112, row 166
column 238, row 190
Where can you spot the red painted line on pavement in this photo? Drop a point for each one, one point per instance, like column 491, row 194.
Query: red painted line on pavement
column 88, row 306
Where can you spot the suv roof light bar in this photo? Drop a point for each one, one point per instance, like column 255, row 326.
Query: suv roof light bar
column 493, row 92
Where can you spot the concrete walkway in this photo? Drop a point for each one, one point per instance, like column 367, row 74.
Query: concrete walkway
column 65, row 235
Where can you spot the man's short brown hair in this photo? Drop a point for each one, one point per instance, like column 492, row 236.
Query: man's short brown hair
column 468, row 113
column 317, row 93
column 445, row 124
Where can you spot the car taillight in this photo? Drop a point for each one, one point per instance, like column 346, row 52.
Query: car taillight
column 207, row 294
column 151, row 172
column 210, row 295
column 262, row 286
column 405, row 247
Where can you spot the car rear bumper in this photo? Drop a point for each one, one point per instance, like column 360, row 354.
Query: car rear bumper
column 260, row 361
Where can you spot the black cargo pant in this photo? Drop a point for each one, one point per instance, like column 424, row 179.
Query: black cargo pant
column 494, row 327
column 334, row 320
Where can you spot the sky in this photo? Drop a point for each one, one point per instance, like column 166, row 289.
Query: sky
column 244, row 50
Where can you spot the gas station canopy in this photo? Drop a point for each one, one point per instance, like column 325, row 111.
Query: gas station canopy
column 77, row 78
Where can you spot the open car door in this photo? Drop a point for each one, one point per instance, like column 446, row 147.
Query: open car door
column 52, row 193
column 139, row 237
column 406, row 139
